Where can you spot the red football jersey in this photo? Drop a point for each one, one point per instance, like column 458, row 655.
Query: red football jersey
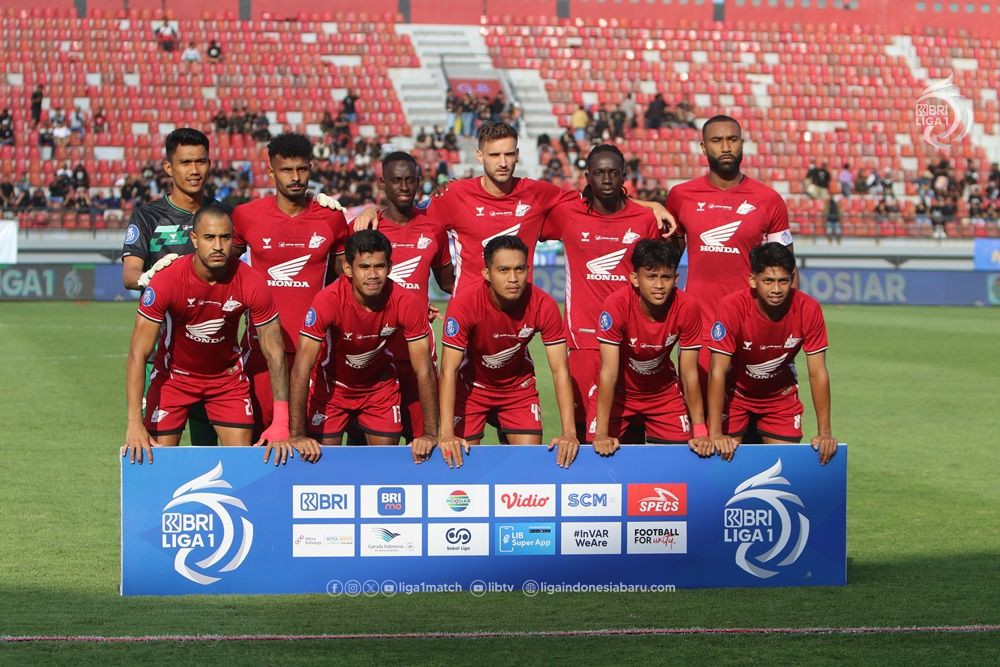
column 357, row 352
column 646, row 344
column 598, row 259
column 292, row 253
column 496, row 342
column 473, row 217
column 763, row 351
column 721, row 227
column 203, row 320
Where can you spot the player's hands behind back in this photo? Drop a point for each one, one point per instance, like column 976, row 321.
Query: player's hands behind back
column 159, row 265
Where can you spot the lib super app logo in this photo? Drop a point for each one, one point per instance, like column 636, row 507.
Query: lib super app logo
column 664, row 499
column 209, row 531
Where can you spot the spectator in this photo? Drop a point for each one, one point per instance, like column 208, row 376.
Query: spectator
column 818, row 182
column 833, row 229
column 61, row 134
column 166, row 36
column 6, row 194
column 993, row 182
column 214, row 51
column 78, row 198
column 628, row 108
column 81, row 178
column 617, row 118
column 451, row 107
column 321, row 151
column 921, row 215
column 37, row 201
column 885, row 183
column 261, row 128
column 468, row 108
column 450, row 141
column 349, row 106
column 600, row 125
column 220, row 121
column 6, row 128
column 100, row 121
column 45, row 137
column 191, row 54
column 36, row 106
column 498, row 105
column 568, row 144
column 655, row 112
column 326, row 123
column 515, row 117
column 77, row 122
column 685, row 113
column 846, row 180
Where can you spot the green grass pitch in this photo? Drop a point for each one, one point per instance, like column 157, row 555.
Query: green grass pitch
column 914, row 394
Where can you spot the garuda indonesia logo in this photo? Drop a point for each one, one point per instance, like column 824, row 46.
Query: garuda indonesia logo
column 206, row 527
column 757, row 518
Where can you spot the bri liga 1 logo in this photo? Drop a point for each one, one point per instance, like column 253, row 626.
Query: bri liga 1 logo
column 944, row 113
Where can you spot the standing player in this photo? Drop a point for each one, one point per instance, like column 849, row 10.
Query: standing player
column 200, row 300
column 640, row 325
column 756, row 335
column 596, row 231
column 486, row 371
column 160, row 231
column 720, row 218
column 476, row 210
column 295, row 244
column 356, row 317
column 419, row 248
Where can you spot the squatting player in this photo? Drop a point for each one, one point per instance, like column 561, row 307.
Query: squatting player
column 486, row 370
column 755, row 337
column 160, row 231
column 200, row 299
column 640, row 325
column 597, row 231
column 296, row 245
column 419, row 248
column 356, row 317
column 720, row 218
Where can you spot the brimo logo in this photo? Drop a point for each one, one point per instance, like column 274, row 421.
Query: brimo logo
column 199, row 530
column 944, row 113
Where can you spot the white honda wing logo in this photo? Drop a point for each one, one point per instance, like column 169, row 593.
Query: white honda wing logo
column 649, row 366
column 500, row 359
column 510, row 231
column 715, row 238
column 765, row 370
column 204, row 331
column 362, row 360
column 402, row 271
column 283, row 275
column 601, row 267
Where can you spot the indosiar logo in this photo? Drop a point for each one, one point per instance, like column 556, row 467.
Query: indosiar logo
column 761, row 522
column 199, row 524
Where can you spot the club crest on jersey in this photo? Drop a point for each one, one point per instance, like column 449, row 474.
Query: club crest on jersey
column 745, row 208
column 230, row 305
column 310, row 317
column 451, row 327
column 521, row 210
column 606, row 321
column 316, row 240
column 671, row 339
column 387, row 331
column 718, row 331
column 525, row 332
column 423, row 242
column 630, row 237
column 131, row 234
column 148, row 297
column 792, row 341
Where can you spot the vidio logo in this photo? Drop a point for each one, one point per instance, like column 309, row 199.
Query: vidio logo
column 206, row 526
column 757, row 516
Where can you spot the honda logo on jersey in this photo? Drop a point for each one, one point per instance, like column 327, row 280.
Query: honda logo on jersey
column 362, row 360
column 715, row 238
column 648, row 366
column 601, row 267
column 203, row 331
column 765, row 370
column 283, row 275
column 500, row 359
column 402, row 271
column 510, row 231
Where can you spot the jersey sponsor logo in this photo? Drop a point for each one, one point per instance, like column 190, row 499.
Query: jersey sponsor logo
column 131, row 234
column 203, row 331
column 664, row 499
column 718, row 331
column 601, row 267
column 148, row 297
column 423, row 242
column 310, row 317
column 165, row 235
column 451, row 327
column 510, row 231
column 525, row 332
column 791, row 341
column 715, row 238
column 521, row 210
column 502, row 358
column 283, row 275
column 230, row 305
column 649, row 366
column 364, row 359
column 630, row 237
column 400, row 272
column 316, row 240
column 606, row 321
column 745, row 208
column 765, row 370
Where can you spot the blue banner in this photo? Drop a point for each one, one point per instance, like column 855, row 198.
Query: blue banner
column 915, row 288
column 986, row 254
column 367, row 520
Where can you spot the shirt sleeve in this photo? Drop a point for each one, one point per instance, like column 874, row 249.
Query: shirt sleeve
column 725, row 329
column 550, row 321
column 611, row 323
column 457, row 327
column 554, row 224
column 412, row 317
column 136, row 237
column 443, row 255
column 814, row 328
column 155, row 300
column 339, row 230
column 259, row 299
column 675, row 200
column 778, row 229
column 555, row 196
column 240, row 224
column 690, row 324
column 321, row 316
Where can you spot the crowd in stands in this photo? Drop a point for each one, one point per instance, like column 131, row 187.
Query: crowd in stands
column 467, row 112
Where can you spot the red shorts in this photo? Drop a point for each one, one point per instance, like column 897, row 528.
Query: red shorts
column 514, row 410
column 584, row 365
column 663, row 414
column 778, row 415
column 171, row 395
column 255, row 366
column 376, row 409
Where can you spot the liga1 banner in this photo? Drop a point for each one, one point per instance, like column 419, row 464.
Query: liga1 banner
column 210, row 520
